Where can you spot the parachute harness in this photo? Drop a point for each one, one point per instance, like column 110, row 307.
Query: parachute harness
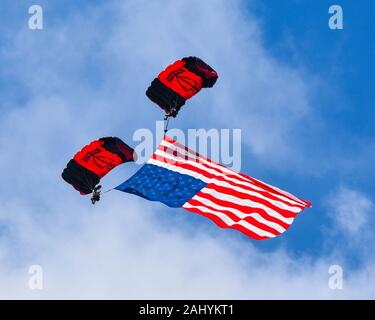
column 172, row 113
column 96, row 194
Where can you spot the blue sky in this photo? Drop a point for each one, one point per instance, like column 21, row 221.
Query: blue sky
column 301, row 93
column 296, row 33
column 344, row 61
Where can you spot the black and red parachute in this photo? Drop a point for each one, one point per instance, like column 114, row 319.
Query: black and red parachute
column 179, row 82
column 94, row 161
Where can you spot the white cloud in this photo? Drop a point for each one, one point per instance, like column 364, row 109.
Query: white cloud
column 127, row 252
column 120, row 250
column 351, row 211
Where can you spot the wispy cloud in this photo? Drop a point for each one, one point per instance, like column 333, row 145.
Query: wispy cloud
column 351, row 211
column 111, row 253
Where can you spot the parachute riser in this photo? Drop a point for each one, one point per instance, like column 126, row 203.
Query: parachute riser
column 166, row 123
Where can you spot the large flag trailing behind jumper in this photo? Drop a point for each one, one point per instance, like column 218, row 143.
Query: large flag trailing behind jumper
column 180, row 177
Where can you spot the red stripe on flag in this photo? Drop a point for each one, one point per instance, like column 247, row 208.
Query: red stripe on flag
column 223, row 225
column 269, row 188
column 222, row 175
column 243, row 209
column 244, row 176
column 235, row 218
column 285, row 213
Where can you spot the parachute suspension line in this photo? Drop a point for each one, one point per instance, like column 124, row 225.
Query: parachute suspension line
column 173, row 112
column 166, row 123
column 97, row 194
column 95, row 190
column 108, row 190
column 87, row 181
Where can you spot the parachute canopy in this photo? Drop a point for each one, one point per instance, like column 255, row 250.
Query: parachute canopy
column 179, row 82
column 94, row 161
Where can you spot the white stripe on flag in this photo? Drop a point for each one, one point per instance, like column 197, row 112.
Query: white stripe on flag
column 247, row 203
column 240, row 214
column 288, row 196
column 227, row 184
column 229, row 222
column 241, row 182
column 171, row 167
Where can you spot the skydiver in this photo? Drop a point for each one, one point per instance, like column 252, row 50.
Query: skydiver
column 96, row 194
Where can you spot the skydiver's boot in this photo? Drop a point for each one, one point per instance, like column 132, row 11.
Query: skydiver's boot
column 96, row 194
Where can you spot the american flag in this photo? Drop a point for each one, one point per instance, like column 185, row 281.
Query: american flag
column 179, row 177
